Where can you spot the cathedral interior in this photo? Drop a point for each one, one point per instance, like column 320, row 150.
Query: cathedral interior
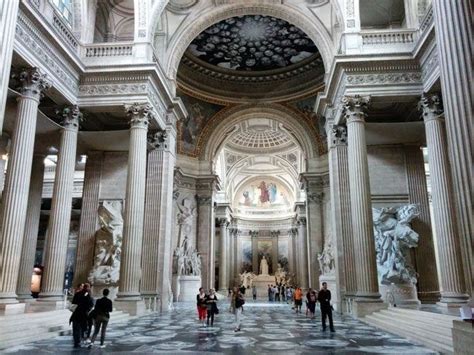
column 153, row 147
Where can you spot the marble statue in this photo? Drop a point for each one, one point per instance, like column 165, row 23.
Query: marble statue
column 264, row 266
column 185, row 219
column 280, row 275
column 108, row 244
column 247, row 278
column 187, row 261
column 326, row 259
column 393, row 237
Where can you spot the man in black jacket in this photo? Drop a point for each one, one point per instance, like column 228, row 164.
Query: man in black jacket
column 324, row 298
column 84, row 303
column 102, row 309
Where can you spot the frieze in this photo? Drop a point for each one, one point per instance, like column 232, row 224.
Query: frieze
column 31, row 40
column 384, row 78
column 430, row 65
column 112, row 89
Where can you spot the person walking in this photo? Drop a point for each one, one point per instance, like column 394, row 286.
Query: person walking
column 289, row 294
column 237, row 308
column 101, row 313
column 254, row 292
column 311, row 303
column 201, row 306
column 298, row 296
column 269, row 293
column 81, row 304
column 324, row 298
column 90, row 316
column 211, row 303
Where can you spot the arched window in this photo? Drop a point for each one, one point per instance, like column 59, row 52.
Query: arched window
column 64, row 8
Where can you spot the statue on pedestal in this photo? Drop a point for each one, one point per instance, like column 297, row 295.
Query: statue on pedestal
column 108, row 245
column 246, row 279
column 186, row 261
column 280, row 275
column 326, row 259
column 263, row 266
column 393, row 237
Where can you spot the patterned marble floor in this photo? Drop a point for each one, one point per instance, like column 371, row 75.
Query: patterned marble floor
column 266, row 329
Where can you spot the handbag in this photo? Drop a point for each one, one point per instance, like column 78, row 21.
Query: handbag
column 72, row 307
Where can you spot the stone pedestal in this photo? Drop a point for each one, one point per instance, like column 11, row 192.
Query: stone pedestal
column 261, row 282
column 362, row 307
column 333, row 287
column 134, row 308
column 11, row 308
column 175, row 287
column 463, row 337
column 188, row 287
column 402, row 294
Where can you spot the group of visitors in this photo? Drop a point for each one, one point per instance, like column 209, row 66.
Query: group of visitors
column 86, row 312
column 323, row 296
column 207, row 306
column 277, row 293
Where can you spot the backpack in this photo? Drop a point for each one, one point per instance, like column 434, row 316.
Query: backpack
column 239, row 302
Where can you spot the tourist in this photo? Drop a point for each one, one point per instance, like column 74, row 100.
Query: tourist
column 289, row 294
column 90, row 316
column 237, row 304
column 298, row 297
column 254, row 292
column 277, row 293
column 102, row 309
column 283, row 293
column 324, row 298
column 311, row 299
column 242, row 289
column 81, row 304
column 201, row 306
column 269, row 293
column 211, row 303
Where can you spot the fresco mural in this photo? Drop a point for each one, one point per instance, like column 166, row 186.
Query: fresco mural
column 283, row 253
column 264, row 193
column 265, row 248
column 246, row 256
column 252, row 42
column 199, row 113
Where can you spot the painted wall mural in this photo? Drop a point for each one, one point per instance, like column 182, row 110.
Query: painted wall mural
column 252, row 43
column 246, row 256
column 264, row 193
column 283, row 253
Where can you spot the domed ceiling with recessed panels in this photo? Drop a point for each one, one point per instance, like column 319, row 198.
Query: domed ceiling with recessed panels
column 252, row 43
column 251, row 57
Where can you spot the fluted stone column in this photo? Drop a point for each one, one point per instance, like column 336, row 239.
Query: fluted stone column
column 453, row 290
column 157, row 244
column 425, row 259
column 274, row 235
column 89, row 216
column 453, row 25
column 292, row 252
column 61, row 205
column 314, row 200
column 17, row 183
column 205, row 238
column 302, row 257
column 341, row 208
column 8, row 16
column 254, row 241
column 28, row 250
column 128, row 297
column 4, row 142
column 367, row 295
column 223, row 282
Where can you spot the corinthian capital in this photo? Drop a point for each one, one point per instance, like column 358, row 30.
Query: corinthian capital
column 355, row 108
column 71, row 117
column 32, row 82
column 158, row 139
column 139, row 114
column 338, row 135
column 431, row 106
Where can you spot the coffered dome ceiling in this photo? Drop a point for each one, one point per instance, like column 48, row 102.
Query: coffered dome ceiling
column 251, row 57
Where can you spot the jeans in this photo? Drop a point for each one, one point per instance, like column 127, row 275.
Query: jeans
column 326, row 311
column 238, row 316
column 100, row 324
column 210, row 317
column 77, row 331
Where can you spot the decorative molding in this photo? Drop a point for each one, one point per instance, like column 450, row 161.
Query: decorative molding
column 32, row 82
column 431, row 107
column 140, row 114
column 355, row 108
column 158, row 140
column 384, row 78
column 430, row 65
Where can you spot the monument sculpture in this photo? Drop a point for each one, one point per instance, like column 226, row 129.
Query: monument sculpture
column 280, row 275
column 393, row 239
column 247, row 278
column 108, row 244
column 263, row 266
column 326, row 260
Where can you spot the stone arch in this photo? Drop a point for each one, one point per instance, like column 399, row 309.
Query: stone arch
column 314, row 29
column 218, row 129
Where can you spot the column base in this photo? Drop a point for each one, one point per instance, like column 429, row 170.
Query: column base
column 453, row 300
column 11, row 308
column 429, row 297
column 362, row 308
column 45, row 305
column 132, row 307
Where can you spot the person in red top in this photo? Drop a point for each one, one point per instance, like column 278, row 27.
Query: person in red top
column 201, row 299
column 298, row 296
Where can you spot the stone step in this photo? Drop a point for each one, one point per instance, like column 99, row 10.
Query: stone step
column 430, row 315
column 417, row 333
column 435, row 332
column 420, row 317
column 32, row 328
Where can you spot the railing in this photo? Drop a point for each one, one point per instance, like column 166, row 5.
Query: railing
column 108, row 50
column 64, row 31
column 388, row 37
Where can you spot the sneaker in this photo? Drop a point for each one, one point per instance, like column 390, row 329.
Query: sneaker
column 237, row 330
column 102, row 346
column 332, row 330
